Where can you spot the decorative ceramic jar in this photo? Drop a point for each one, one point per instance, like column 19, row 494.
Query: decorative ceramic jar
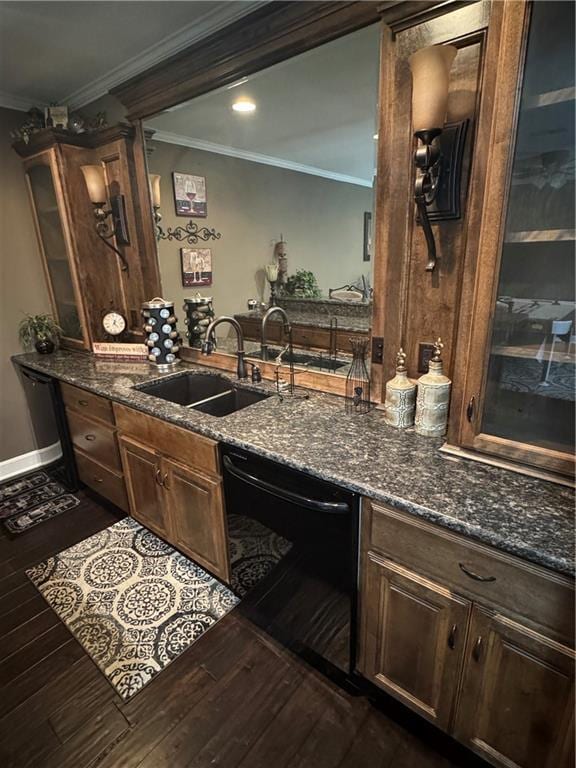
column 400, row 401
column 162, row 338
column 433, row 398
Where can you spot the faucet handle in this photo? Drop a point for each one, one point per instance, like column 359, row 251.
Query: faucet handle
column 256, row 373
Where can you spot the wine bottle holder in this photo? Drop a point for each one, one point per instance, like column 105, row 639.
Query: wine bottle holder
column 199, row 314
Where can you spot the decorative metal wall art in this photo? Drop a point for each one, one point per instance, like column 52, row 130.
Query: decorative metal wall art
column 191, row 233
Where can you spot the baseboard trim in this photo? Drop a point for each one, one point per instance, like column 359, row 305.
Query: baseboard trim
column 19, row 465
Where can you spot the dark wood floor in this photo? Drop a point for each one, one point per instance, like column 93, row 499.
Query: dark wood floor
column 233, row 699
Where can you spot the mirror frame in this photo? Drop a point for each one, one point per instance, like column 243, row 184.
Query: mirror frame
column 273, row 33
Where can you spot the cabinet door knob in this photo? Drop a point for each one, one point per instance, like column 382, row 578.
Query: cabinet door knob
column 90, row 438
column 471, row 408
column 477, row 652
column 452, row 637
column 473, row 575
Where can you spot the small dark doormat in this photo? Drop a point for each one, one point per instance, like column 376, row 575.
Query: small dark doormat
column 30, row 500
column 131, row 600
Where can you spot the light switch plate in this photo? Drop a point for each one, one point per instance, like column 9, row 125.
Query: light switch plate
column 425, row 352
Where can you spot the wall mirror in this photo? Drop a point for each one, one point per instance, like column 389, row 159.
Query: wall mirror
column 277, row 172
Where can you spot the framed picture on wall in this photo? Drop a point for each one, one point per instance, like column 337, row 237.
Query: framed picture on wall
column 367, row 235
column 190, row 195
column 196, row 266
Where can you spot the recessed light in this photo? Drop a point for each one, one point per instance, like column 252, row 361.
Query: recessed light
column 244, row 105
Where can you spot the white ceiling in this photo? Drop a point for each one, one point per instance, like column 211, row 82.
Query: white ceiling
column 316, row 113
column 74, row 52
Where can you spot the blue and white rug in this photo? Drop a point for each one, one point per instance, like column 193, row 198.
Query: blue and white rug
column 133, row 602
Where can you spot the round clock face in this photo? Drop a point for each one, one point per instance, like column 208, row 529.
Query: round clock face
column 114, row 323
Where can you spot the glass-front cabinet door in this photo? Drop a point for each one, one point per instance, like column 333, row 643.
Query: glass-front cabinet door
column 521, row 403
column 47, row 205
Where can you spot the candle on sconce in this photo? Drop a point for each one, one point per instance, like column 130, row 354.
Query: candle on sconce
column 154, row 179
column 272, row 272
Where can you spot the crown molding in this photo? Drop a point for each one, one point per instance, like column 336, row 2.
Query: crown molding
column 256, row 157
column 19, row 103
column 169, row 46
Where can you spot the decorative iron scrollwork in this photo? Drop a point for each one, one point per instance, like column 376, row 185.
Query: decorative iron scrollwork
column 191, row 233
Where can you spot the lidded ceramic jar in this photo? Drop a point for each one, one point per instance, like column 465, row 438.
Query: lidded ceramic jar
column 433, row 397
column 400, row 401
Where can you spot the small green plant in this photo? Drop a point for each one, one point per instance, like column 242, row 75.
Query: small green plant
column 35, row 328
column 302, row 285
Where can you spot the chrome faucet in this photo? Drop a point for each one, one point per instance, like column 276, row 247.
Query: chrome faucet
column 268, row 314
column 210, row 343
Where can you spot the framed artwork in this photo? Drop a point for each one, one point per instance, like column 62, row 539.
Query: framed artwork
column 196, row 266
column 367, row 236
column 190, row 195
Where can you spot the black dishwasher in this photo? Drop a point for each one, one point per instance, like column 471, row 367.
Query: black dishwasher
column 293, row 543
column 49, row 423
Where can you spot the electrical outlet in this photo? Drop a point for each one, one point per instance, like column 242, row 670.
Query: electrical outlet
column 425, row 352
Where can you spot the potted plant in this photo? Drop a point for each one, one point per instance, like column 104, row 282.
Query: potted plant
column 302, row 285
column 41, row 332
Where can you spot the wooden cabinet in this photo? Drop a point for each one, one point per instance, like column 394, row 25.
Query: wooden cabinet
column 174, row 486
column 516, row 357
column 143, row 483
column 84, row 276
column 94, row 439
column 473, row 658
column 195, row 514
column 516, row 699
column 415, row 634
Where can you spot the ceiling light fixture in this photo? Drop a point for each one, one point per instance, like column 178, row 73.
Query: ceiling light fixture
column 244, row 105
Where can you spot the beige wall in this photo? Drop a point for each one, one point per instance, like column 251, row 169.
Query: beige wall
column 22, row 287
column 251, row 204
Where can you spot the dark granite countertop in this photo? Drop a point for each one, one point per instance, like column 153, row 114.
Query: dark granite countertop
column 524, row 516
column 346, row 324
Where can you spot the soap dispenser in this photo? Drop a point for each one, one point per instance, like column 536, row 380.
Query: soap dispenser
column 433, row 397
column 400, row 401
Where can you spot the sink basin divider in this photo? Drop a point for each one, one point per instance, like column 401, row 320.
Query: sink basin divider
column 208, row 399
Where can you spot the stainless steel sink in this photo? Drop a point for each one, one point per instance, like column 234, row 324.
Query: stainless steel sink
column 203, row 392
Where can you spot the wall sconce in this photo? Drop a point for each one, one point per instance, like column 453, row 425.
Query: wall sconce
column 96, row 185
column 272, row 277
column 438, row 158
column 191, row 233
column 154, row 181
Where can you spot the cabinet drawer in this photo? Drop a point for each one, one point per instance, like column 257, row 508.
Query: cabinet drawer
column 530, row 593
column 174, row 442
column 95, row 440
column 85, row 402
column 303, row 336
column 102, row 480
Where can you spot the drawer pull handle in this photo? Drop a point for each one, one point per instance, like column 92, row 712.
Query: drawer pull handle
column 90, row 438
column 157, row 476
column 475, row 576
column 452, row 637
column 98, row 479
column 83, row 402
column 477, row 652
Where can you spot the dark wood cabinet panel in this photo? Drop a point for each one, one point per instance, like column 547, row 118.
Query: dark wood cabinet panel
column 516, row 700
column 414, row 638
column 142, row 474
column 195, row 516
column 101, row 479
column 95, row 439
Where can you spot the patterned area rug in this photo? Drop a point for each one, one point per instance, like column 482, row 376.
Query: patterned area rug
column 132, row 601
column 28, row 501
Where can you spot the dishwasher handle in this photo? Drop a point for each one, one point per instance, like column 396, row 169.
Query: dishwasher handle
column 332, row 507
